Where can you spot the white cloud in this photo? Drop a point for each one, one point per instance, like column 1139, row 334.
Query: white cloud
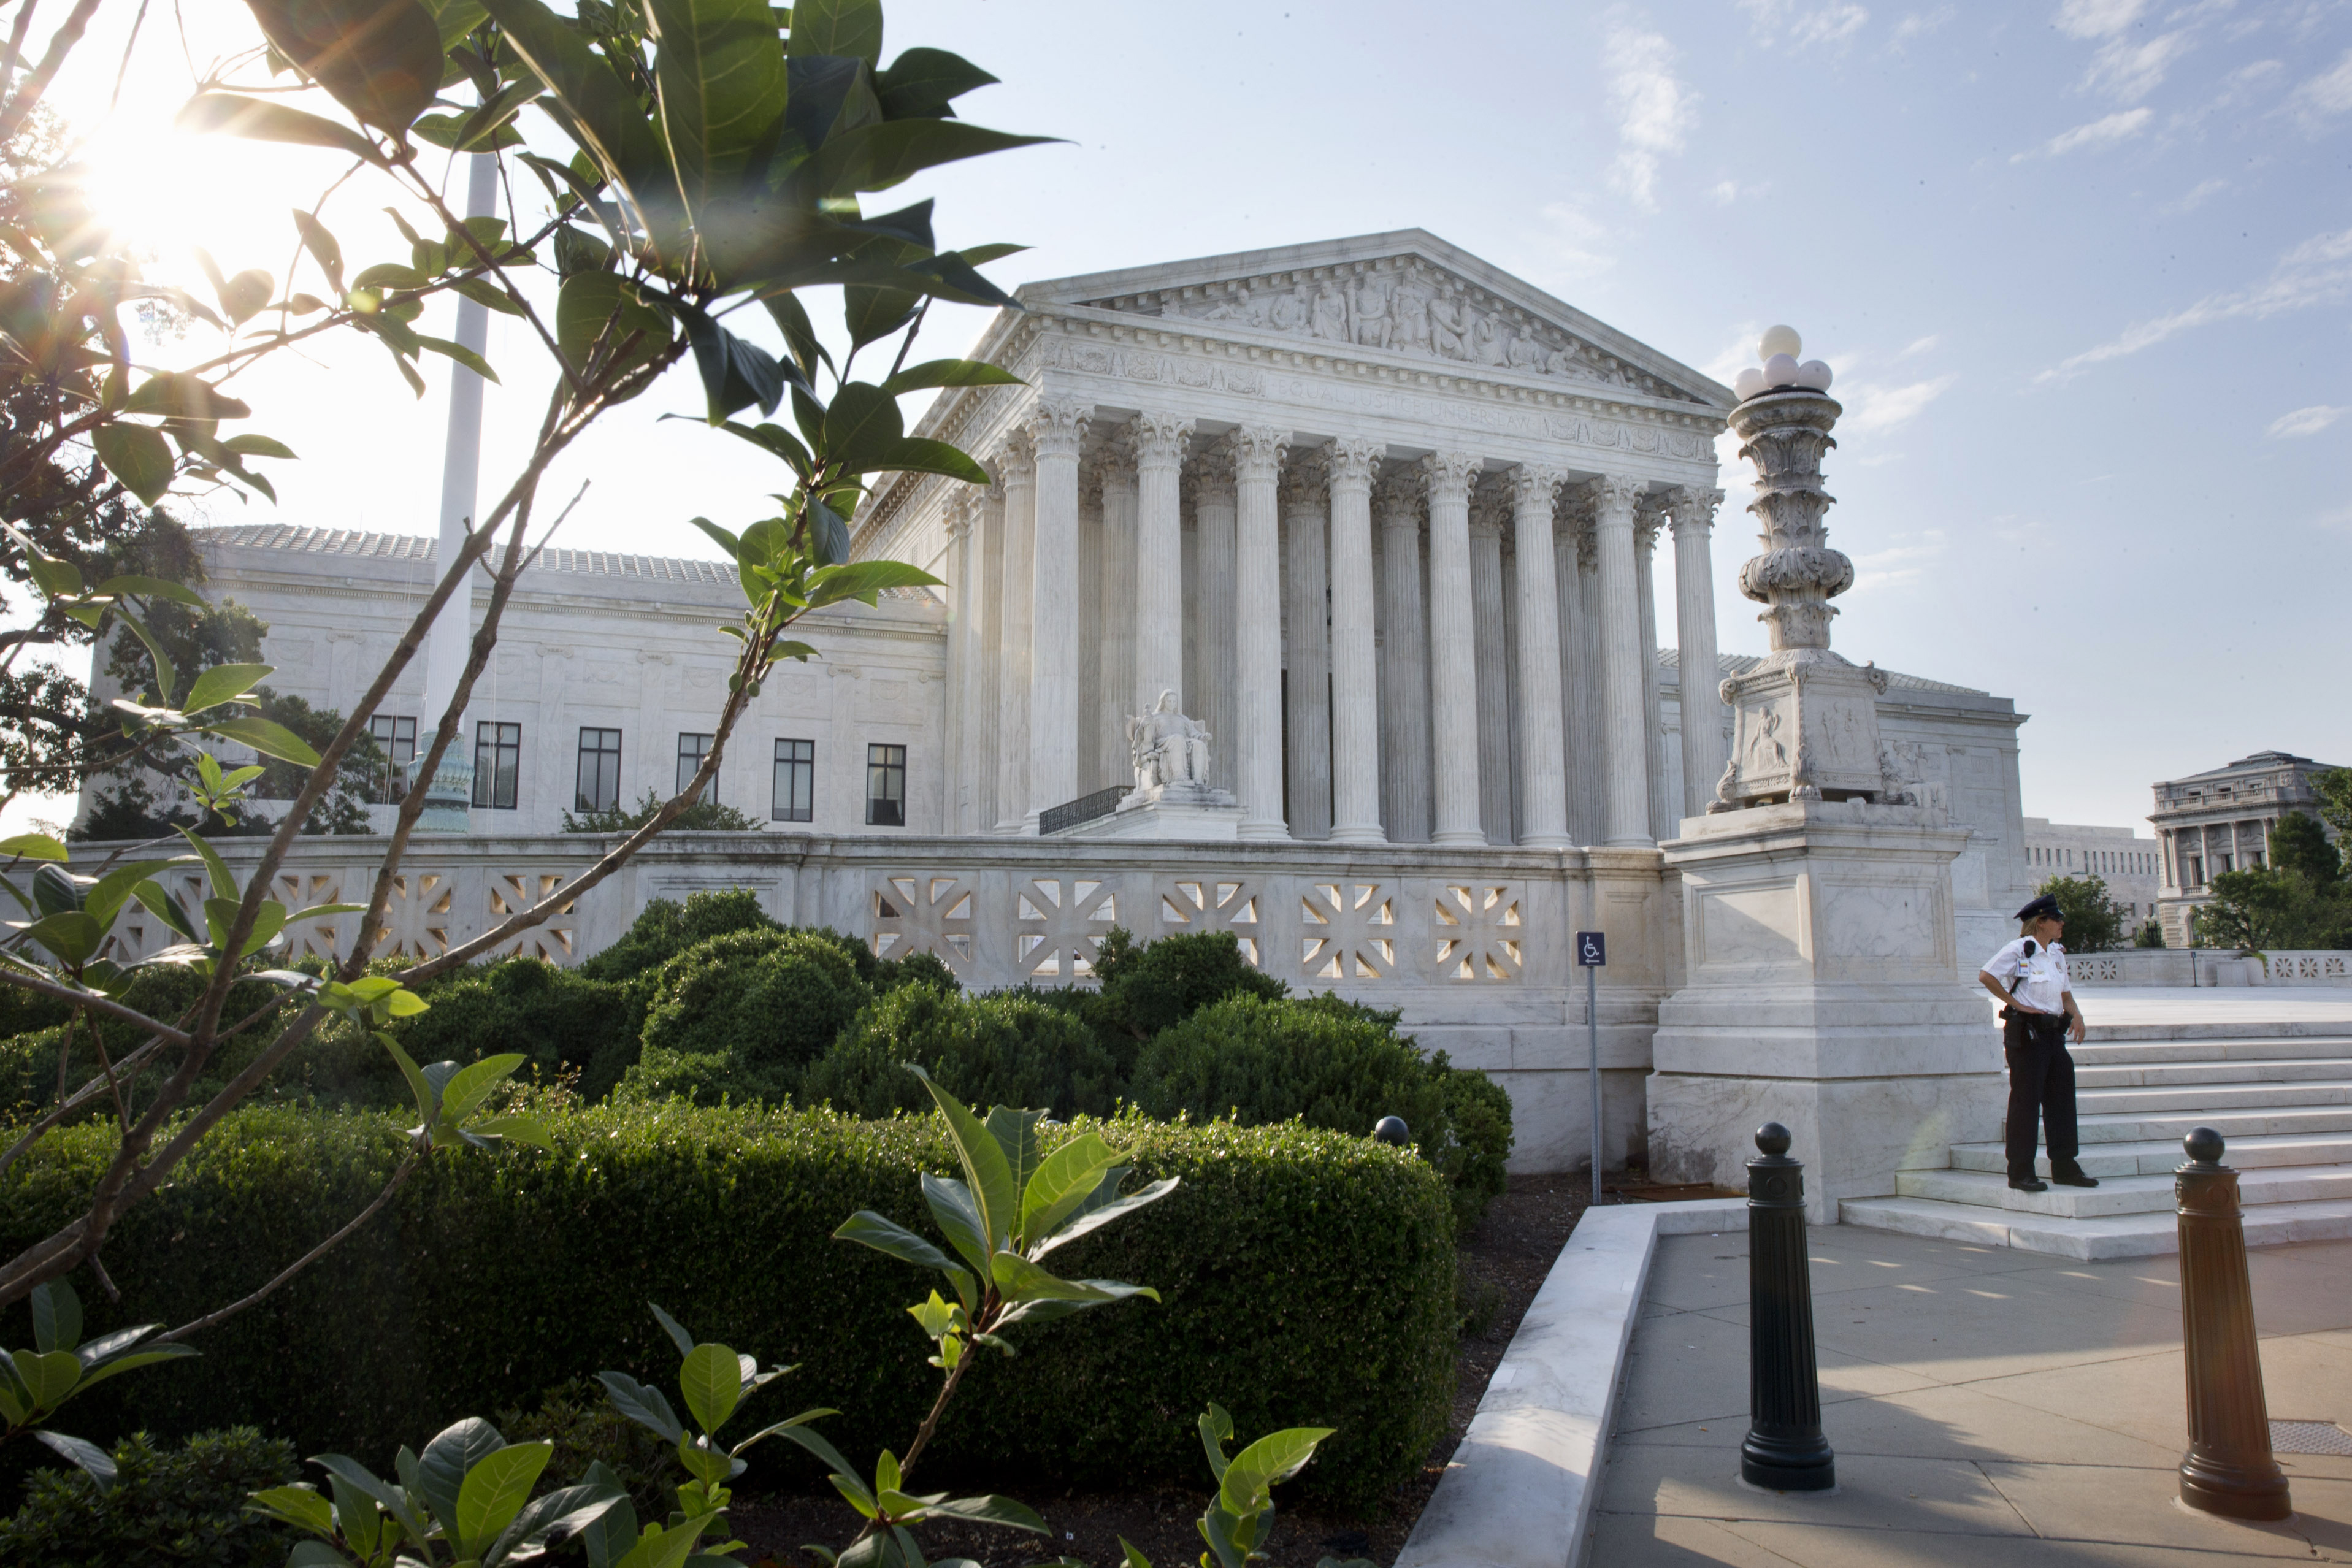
column 2121, row 126
column 1917, row 24
column 2325, row 96
column 1919, row 346
column 2316, row 272
column 1801, row 25
column 2203, row 191
column 1654, row 111
column 2305, row 421
column 1735, row 355
column 1576, row 243
column 1898, row 564
column 2131, row 71
column 1726, row 192
column 1875, row 410
column 2097, row 19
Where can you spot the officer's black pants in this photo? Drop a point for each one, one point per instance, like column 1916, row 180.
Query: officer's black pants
column 2040, row 1089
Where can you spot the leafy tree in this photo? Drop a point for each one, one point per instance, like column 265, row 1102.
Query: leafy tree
column 702, row 817
column 2299, row 845
column 2269, row 910
column 2334, row 788
column 2148, row 934
column 2094, row 923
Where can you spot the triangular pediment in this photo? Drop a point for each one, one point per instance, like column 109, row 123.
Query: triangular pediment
column 1408, row 294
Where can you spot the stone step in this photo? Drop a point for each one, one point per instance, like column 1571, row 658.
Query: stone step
column 2160, row 1157
column 2155, row 1074
column 2094, row 1054
column 2121, row 1193
column 2105, row 1235
column 2241, row 1028
column 2213, row 1097
column 2244, row 1122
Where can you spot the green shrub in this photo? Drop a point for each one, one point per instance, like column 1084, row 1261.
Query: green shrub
column 1334, row 1064
column 1160, row 983
column 666, row 928
column 583, row 1423
column 740, row 1016
column 1308, row 1278
column 1006, row 1050
column 558, row 1018
column 168, row 1505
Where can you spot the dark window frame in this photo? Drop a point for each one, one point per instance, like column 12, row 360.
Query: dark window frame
column 689, row 763
column 497, row 765
column 886, row 785
column 606, row 761
column 396, row 736
column 793, row 797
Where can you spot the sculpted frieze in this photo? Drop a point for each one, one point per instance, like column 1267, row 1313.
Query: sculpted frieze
column 1402, row 304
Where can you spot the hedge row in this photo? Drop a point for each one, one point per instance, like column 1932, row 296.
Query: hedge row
column 1309, row 1278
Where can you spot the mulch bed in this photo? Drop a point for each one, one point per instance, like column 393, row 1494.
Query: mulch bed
column 1503, row 1261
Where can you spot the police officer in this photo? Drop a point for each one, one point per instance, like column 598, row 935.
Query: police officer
column 2038, row 1014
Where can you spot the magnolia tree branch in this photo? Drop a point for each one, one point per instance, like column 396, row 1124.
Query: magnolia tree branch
column 27, row 97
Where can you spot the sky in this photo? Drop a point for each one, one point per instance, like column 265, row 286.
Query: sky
column 2083, row 269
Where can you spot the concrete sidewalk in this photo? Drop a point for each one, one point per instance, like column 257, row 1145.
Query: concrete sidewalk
column 1987, row 1407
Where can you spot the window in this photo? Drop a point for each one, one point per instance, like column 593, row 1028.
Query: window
column 795, row 782
column 396, row 737
column 886, row 786
column 599, row 788
column 2255, row 860
column 691, row 751
column 2196, row 870
column 2227, row 865
column 497, row 765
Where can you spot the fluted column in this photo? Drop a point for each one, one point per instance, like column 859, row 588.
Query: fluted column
column 1488, row 506
column 1543, row 758
column 956, row 783
column 1355, row 676
column 1306, row 577
column 1159, row 440
column 1257, row 632
column 1019, row 466
column 1212, row 526
column 1704, row 748
column 1572, row 668
column 1661, row 789
column 1452, row 661
column 1118, row 593
column 1405, row 659
column 987, row 630
column 1085, row 737
column 1057, row 429
column 1589, row 707
column 1627, row 818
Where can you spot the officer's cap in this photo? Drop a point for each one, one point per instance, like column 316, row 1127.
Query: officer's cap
column 2042, row 908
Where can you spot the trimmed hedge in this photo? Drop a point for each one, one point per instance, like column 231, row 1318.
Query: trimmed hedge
column 167, row 1506
column 1006, row 1050
column 740, row 1016
column 1309, row 1278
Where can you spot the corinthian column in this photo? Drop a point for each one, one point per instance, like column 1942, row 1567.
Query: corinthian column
column 1057, row 429
column 1306, row 520
column 1661, row 789
column 963, row 590
column 1257, row 632
column 1019, row 466
column 1703, row 744
column 1212, row 529
column 1627, row 818
column 1405, row 659
column 981, row 729
column 1488, row 506
column 1355, row 680
column 1117, row 595
column 1543, row 760
column 1159, row 440
column 1453, row 659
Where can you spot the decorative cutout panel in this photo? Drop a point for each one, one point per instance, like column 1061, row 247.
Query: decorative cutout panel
column 316, row 939
column 1351, row 931
column 1061, row 920
column 922, row 912
column 1479, row 932
column 419, row 922
column 556, row 938
column 1209, row 904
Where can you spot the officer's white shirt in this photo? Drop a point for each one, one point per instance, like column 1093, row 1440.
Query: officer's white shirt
column 2046, row 980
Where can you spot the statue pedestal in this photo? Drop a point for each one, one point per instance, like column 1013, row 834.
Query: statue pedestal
column 1820, row 957
column 1184, row 812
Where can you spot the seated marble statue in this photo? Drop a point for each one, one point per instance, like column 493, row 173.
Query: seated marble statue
column 1168, row 749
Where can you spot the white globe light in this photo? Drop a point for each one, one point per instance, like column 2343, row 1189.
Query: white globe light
column 1779, row 341
column 1748, row 383
column 1780, row 370
column 1814, row 374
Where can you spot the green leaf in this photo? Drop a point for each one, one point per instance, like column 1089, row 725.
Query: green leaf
column 251, row 445
column 324, row 249
column 167, row 909
column 222, row 683
column 72, row 936
column 711, row 1385
column 828, row 533
column 949, row 373
column 117, row 1365
column 49, row 1376
column 885, row 1235
column 137, row 455
column 838, row 28
column 1019, row 1280
column 719, row 79
column 959, row 1220
column 576, row 250
column 473, row 1083
column 798, row 1430
column 735, row 373
column 800, row 333
column 877, row 157
column 864, row 579
column 1134, row 1559
column 56, row 1316
column 921, row 454
column 553, row 1517
column 462, row 354
column 259, row 120
column 1091, row 1217
column 113, row 890
column 1246, row 1486
column 600, row 113
column 873, row 313
column 379, row 59
column 266, row 736
column 93, row 1461
column 590, row 301
column 515, row 1129
column 1015, row 1132
column 167, row 675
column 1064, row 1179
column 494, row 1489
column 676, row 1330
column 33, row 847
column 641, row 1403
column 991, row 1509
column 301, row 1506
column 922, row 82
column 358, row 1476
column 862, row 424
column 448, row 1459
column 455, row 19
column 152, row 588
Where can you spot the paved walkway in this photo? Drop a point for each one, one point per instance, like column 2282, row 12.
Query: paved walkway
column 2215, row 1004
column 1988, row 1407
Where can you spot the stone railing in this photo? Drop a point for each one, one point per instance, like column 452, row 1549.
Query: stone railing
column 2185, row 966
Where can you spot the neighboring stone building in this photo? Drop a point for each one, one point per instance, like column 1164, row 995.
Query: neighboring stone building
column 2208, row 823
column 2125, row 859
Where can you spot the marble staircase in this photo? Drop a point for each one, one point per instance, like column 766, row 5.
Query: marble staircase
column 2279, row 1090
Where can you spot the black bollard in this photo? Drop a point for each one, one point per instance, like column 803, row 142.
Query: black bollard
column 2229, row 1469
column 1784, row 1449
column 1392, row 1130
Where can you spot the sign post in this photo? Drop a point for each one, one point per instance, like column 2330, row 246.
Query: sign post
column 1591, row 957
